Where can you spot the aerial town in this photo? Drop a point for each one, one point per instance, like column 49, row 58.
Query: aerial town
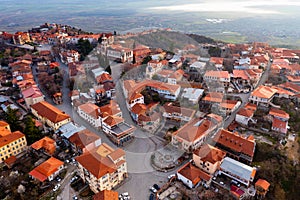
column 106, row 117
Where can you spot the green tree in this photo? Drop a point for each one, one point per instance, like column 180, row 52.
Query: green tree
column 146, row 59
column 13, row 119
column 31, row 131
column 84, row 47
column 214, row 51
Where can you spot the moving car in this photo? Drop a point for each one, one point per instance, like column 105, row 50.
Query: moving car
column 56, row 187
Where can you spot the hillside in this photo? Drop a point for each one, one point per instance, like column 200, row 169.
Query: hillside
column 169, row 40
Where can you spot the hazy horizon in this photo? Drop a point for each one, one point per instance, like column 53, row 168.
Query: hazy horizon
column 272, row 21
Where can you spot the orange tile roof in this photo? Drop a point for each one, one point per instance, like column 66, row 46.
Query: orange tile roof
column 97, row 161
column 116, row 154
column 240, row 74
column 3, row 124
column 83, row 138
column 47, row 168
column 110, row 109
column 193, row 173
column 90, row 109
column 279, row 113
column 208, row 153
column 216, row 117
column 169, row 108
column 50, row 112
column 264, row 92
column 246, row 112
column 228, row 104
column 218, row 74
column 133, row 87
column 106, row 195
column 46, row 143
column 104, row 77
column 214, row 97
column 290, row 86
column 235, row 142
column 113, row 120
column 293, row 78
column 216, row 60
column 6, row 139
column 191, row 132
column 139, row 109
column 135, row 95
column 282, row 125
column 263, row 184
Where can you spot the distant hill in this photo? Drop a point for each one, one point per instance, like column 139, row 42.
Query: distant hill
column 202, row 39
column 169, row 40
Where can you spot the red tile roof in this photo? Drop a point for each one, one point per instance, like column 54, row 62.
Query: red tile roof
column 262, row 184
column 208, row 153
column 194, row 129
column 83, row 138
column 235, row 142
column 216, row 97
column 216, row 60
column 6, row 139
column 279, row 113
column 46, row 143
column 169, row 108
column 106, row 195
column 97, row 161
column 50, row 112
column 218, row 74
column 139, row 109
column 264, row 92
column 193, row 173
column 46, row 169
column 90, row 109
column 113, row 120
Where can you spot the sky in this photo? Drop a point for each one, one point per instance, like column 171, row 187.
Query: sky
column 243, row 6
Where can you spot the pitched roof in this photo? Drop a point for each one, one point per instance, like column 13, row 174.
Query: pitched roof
column 235, row 142
column 218, row 74
column 6, row 139
column 90, row 109
column 216, row 60
column 139, row 108
column 104, row 77
column 263, row 184
column 240, row 74
column 246, row 112
column 281, row 125
column 106, row 195
column 193, row 173
column 228, row 104
column 279, row 113
column 83, row 138
column 97, row 161
column 264, row 92
column 46, row 143
column 169, row 108
column 194, row 129
column 237, row 168
column 50, row 112
column 46, row 169
column 110, row 109
column 116, row 154
column 214, row 97
column 113, row 120
column 208, row 153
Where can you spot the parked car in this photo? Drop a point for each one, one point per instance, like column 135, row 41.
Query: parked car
column 56, row 187
column 236, row 183
column 171, row 176
column 152, row 196
column 75, row 197
column 58, row 178
column 152, row 189
column 156, row 187
column 74, row 178
column 222, row 183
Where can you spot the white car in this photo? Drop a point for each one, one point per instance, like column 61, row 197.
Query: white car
column 152, row 189
column 56, row 187
column 171, row 176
